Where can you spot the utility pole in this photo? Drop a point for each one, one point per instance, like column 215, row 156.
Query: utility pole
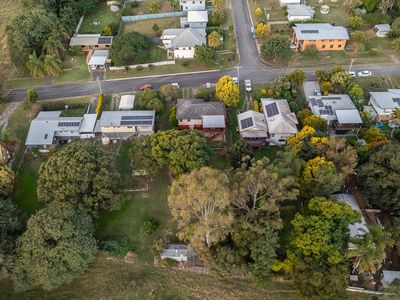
column 351, row 64
column 99, row 84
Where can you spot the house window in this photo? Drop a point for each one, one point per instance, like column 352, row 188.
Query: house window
column 188, row 120
column 323, row 46
column 340, row 46
column 45, row 136
column 130, row 127
column 180, row 120
column 194, row 2
column 331, row 46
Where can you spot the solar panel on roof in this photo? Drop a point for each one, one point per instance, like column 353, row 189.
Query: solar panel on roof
column 328, row 107
column 332, row 98
column 68, row 124
column 246, row 123
column 320, row 103
column 104, row 40
column 309, row 31
column 136, row 122
column 136, row 117
column 272, row 109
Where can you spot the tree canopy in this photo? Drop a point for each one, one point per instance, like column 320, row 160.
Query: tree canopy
column 379, row 178
column 80, row 175
column 7, row 178
column 227, row 92
column 57, row 245
column 276, row 47
column 129, row 48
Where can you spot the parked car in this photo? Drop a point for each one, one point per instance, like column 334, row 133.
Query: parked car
column 317, row 93
column 175, row 84
column 247, row 85
column 146, row 86
column 253, row 32
column 364, row 73
column 352, row 73
column 235, row 80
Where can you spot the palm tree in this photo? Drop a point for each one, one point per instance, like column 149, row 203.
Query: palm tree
column 369, row 249
column 54, row 46
column 52, row 65
column 395, row 117
column 35, row 65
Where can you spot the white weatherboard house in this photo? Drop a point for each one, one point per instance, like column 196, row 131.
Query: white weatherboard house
column 127, row 102
column 338, row 110
column 356, row 229
column 281, row 122
column 299, row 12
column 385, row 102
column 289, row 2
column 195, row 19
column 253, row 128
column 182, row 42
column 49, row 127
column 177, row 252
column 187, row 5
column 127, row 124
column 381, row 30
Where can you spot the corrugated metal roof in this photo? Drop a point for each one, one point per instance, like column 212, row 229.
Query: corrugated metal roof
column 127, row 102
column 197, row 108
column 300, row 10
column 216, row 121
column 189, row 38
column 114, row 118
column 99, row 58
column 320, row 31
column 349, row 116
column 197, row 16
column 284, row 121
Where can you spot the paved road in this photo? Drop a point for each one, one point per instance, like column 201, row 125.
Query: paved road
column 250, row 67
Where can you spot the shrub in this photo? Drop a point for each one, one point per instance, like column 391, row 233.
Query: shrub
column 118, row 246
column 139, row 68
column 327, row 86
column 114, row 26
column 256, row 106
column 125, row 11
column 263, row 91
column 355, row 22
column 32, row 96
column 150, row 225
column 310, row 50
column 168, row 263
column 257, row 96
column 99, row 104
column 374, row 135
column 173, row 122
column 396, row 44
column 133, row 4
column 185, row 63
column 151, row 66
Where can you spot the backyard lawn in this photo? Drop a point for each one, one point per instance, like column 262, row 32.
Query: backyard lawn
column 142, row 7
column 102, row 17
column 337, row 15
column 74, row 70
column 272, row 7
column 145, row 27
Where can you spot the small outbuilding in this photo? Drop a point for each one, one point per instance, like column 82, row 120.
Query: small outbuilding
column 382, row 30
column 98, row 60
column 127, row 102
column 177, row 252
column 299, row 12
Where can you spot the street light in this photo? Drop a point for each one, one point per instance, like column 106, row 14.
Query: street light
column 98, row 82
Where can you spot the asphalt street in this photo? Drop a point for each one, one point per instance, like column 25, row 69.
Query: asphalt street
column 250, row 67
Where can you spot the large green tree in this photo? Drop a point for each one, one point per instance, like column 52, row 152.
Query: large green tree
column 199, row 202
column 276, row 47
column 379, row 178
column 129, row 48
column 57, row 246
column 81, row 176
column 238, row 151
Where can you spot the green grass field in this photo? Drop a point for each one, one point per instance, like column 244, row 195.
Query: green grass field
column 74, row 70
column 145, row 27
column 102, row 17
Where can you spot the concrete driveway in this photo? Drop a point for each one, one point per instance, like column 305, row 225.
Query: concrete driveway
column 309, row 87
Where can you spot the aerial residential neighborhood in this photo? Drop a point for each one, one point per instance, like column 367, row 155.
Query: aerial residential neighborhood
column 176, row 149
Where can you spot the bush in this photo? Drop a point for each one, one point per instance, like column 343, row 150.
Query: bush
column 99, row 104
column 32, row 96
column 185, row 63
column 256, row 106
column 151, row 66
column 396, row 44
column 204, row 93
column 355, row 22
column 125, row 11
column 139, row 68
column 118, row 246
column 114, row 27
column 168, row 263
column 150, row 225
column 133, row 4
column 173, row 122
column 257, row 96
column 310, row 50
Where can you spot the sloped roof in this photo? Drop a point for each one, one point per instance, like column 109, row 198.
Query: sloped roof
column 172, row 31
column 300, row 10
column 197, row 16
column 382, row 27
column 88, row 123
column 348, row 116
column 197, row 108
column 127, row 102
column 257, row 128
column 216, row 121
column 281, row 119
column 99, row 58
column 320, row 31
column 189, row 37
column 134, row 117
column 387, row 99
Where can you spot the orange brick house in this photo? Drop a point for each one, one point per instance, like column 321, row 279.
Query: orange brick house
column 324, row 36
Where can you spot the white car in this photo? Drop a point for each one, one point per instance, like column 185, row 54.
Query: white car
column 247, row 85
column 317, row 93
column 175, row 84
column 352, row 73
column 235, row 80
column 364, row 73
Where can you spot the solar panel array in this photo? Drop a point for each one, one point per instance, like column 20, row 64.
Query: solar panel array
column 272, row 109
column 332, row 98
column 68, row 124
column 104, row 40
column 326, row 111
column 246, row 123
column 136, row 120
column 315, row 102
column 309, row 31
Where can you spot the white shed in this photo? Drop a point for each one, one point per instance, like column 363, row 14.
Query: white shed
column 127, row 102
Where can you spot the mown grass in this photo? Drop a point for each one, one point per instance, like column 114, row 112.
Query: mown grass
column 103, row 16
column 145, row 27
column 75, row 70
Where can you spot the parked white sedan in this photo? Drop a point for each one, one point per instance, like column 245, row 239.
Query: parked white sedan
column 247, row 85
column 235, row 80
column 352, row 73
column 364, row 73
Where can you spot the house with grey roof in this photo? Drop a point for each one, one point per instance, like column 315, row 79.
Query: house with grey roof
column 89, row 42
column 323, row 36
column 381, row 30
column 299, row 12
column 253, row 128
column 181, row 43
column 188, row 5
column 195, row 19
column 117, row 125
column 98, row 59
column 384, row 103
column 207, row 117
column 49, row 127
column 281, row 122
column 338, row 110
column 177, row 252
